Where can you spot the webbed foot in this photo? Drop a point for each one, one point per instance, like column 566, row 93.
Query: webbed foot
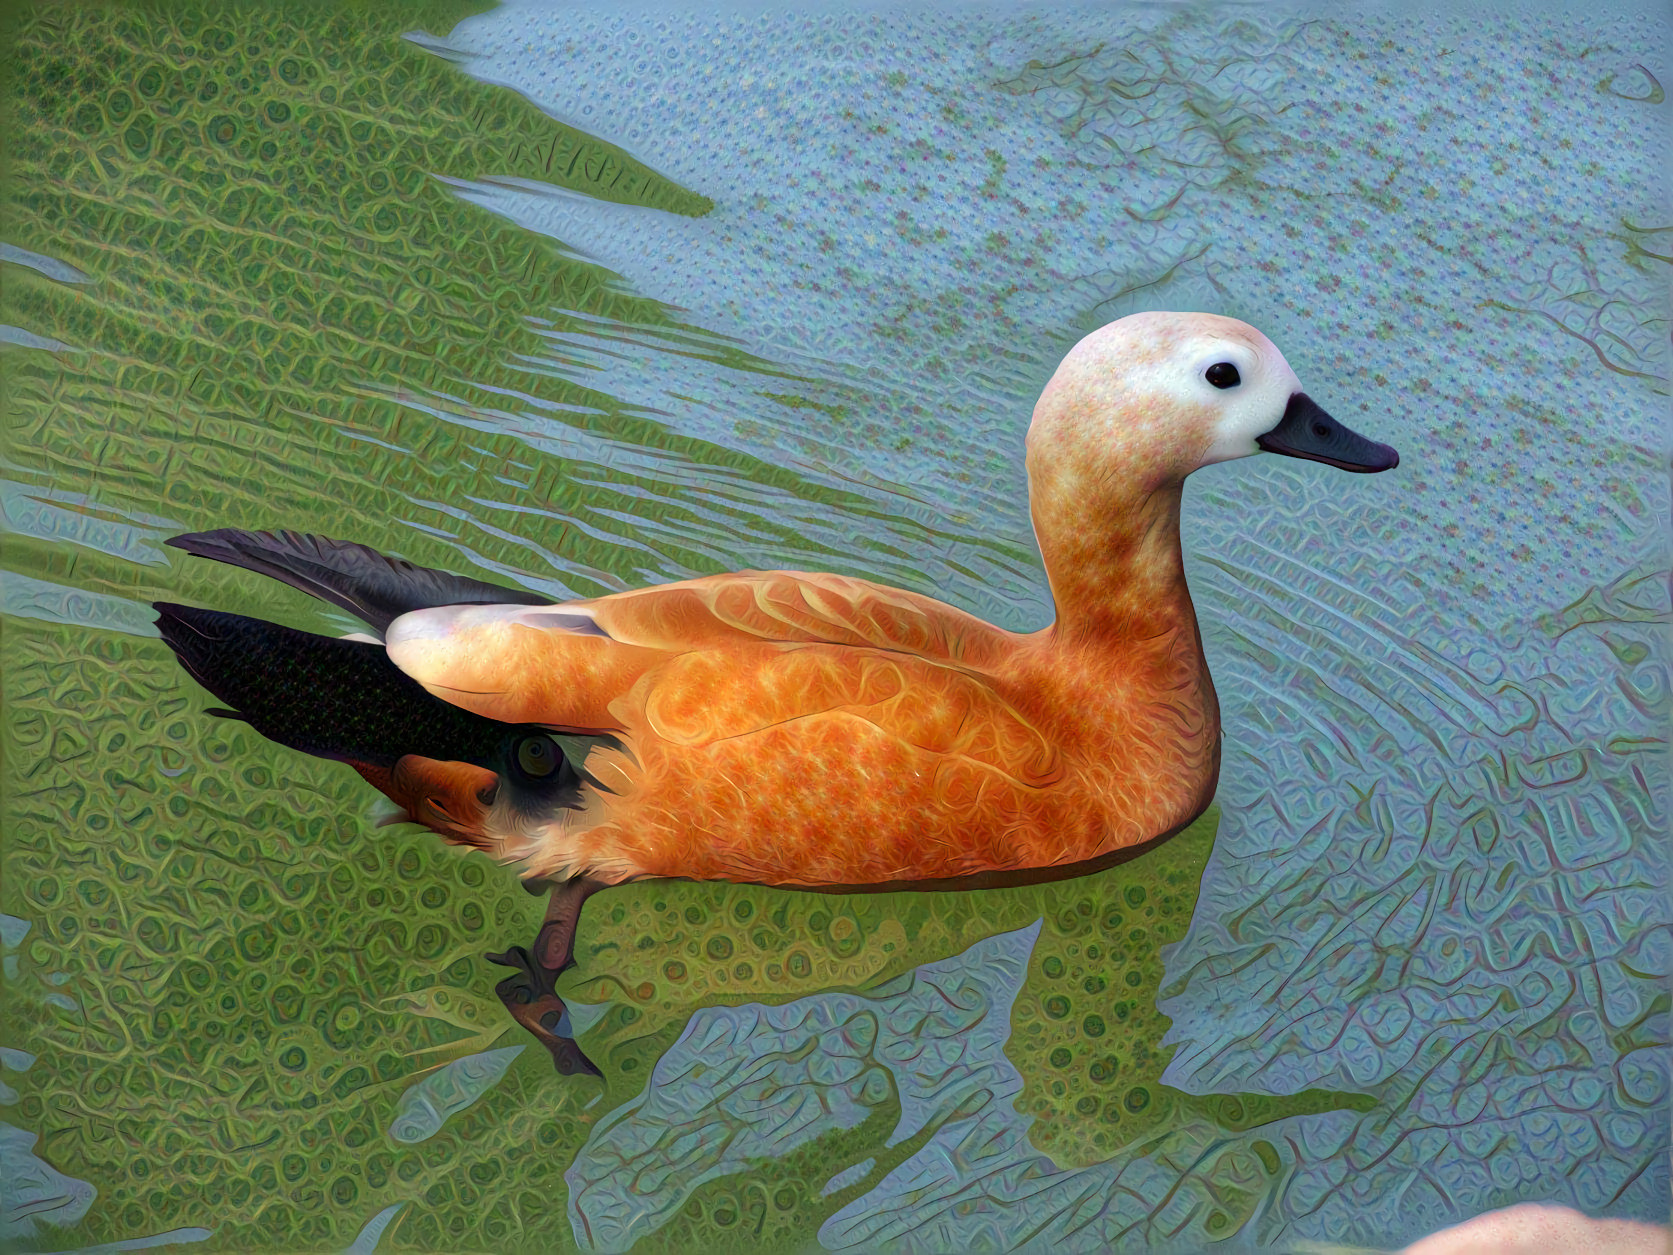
column 530, row 995
column 534, row 1003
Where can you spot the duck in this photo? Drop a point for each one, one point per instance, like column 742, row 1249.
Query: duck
column 793, row 729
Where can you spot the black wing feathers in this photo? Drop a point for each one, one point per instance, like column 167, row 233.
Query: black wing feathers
column 331, row 698
column 353, row 577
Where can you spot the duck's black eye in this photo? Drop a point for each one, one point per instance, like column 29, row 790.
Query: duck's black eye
column 537, row 757
column 1223, row 375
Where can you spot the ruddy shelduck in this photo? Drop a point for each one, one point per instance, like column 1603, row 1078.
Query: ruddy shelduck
column 793, row 729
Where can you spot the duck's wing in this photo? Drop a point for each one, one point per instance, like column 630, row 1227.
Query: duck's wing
column 795, row 607
column 338, row 699
column 369, row 585
column 573, row 664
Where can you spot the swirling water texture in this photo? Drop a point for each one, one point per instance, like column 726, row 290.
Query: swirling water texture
column 752, row 1082
column 453, row 1087
column 1129, row 159
column 1391, row 198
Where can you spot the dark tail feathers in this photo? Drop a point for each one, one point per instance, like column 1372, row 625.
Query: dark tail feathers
column 331, row 698
column 353, row 577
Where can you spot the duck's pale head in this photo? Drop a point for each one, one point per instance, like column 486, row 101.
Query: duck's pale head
column 1135, row 408
column 1147, row 400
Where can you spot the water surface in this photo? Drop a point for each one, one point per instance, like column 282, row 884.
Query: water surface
column 584, row 299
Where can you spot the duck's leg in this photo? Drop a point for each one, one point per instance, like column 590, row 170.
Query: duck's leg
column 530, row 995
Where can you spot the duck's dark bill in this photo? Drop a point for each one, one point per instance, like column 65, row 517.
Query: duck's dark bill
column 1306, row 431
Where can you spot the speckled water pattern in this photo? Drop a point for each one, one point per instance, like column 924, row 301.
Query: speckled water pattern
column 1418, row 969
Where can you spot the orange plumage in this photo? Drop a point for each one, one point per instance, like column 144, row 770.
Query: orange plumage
column 814, row 730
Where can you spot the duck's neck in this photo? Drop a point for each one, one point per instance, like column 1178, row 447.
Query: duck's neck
column 1112, row 554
